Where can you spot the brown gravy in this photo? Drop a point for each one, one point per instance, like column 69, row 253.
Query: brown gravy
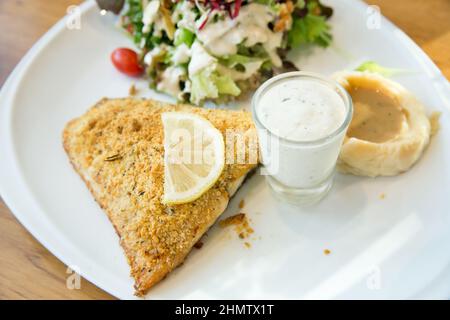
column 377, row 115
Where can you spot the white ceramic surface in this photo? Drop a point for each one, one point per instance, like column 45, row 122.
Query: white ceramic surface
column 398, row 247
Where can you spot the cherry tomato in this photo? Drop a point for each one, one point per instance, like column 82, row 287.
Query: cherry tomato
column 127, row 61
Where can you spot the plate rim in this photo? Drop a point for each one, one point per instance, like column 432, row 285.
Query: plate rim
column 7, row 166
column 49, row 240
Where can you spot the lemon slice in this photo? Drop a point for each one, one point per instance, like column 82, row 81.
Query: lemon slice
column 194, row 156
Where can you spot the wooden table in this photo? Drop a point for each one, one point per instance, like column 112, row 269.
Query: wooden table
column 27, row 269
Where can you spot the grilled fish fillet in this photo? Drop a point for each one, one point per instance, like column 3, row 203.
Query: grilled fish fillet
column 117, row 148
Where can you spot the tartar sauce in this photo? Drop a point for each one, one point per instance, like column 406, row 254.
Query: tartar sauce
column 301, row 110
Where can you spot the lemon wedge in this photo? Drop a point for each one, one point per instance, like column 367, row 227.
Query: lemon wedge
column 194, row 156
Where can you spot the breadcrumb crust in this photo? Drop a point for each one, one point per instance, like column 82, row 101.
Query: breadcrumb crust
column 117, row 148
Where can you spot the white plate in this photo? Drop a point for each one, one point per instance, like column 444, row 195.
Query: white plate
column 398, row 247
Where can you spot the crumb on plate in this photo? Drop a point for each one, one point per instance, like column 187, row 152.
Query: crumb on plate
column 132, row 91
column 198, row 245
column 240, row 223
column 232, row 220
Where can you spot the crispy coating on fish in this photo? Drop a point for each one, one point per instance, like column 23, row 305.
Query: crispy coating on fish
column 117, row 149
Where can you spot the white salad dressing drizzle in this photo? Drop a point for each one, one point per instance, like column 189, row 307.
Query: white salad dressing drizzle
column 170, row 81
column 200, row 58
column 154, row 54
column 250, row 69
column 222, row 37
column 150, row 15
column 188, row 15
column 218, row 38
column 181, row 54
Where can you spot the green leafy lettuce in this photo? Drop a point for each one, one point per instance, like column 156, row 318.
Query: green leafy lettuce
column 372, row 66
column 184, row 36
column 310, row 29
column 310, row 24
column 208, row 84
column 132, row 23
column 132, row 20
column 233, row 60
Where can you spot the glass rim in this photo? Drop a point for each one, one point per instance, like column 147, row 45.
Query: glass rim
column 334, row 85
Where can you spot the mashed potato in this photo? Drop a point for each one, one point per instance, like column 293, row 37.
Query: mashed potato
column 389, row 130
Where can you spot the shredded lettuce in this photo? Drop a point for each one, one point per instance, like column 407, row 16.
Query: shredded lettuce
column 237, row 59
column 309, row 25
column 202, row 87
column 208, row 84
column 272, row 4
column 226, row 85
column 372, row 66
column 310, row 29
column 265, row 2
column 133, row 20
column 185, row 36
column 300, row 4
column 256, row 51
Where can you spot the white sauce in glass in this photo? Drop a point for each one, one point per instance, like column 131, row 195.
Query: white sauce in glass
column 304, row 110
column 301, row 110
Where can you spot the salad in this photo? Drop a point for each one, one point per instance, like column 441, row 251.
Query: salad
column 197, row 50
